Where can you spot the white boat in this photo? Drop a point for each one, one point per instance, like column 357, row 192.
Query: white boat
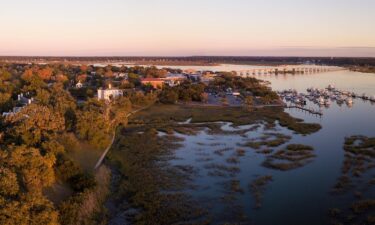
column 331, row 87
column 321, row 101
column 349, row 101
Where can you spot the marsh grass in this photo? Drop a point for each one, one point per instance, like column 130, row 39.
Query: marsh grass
column 155, row 188
column 233, row 160
column 148, row 182
column 268, row 140
column 220, row 152
column 258, row 187
column 167, row 114
column 233, row 186
column 358, row 162
column 240, row 152
column 359, row 159
column 266, row 151
column 292, row 157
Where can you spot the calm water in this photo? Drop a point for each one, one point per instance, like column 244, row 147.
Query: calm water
column 299, row 196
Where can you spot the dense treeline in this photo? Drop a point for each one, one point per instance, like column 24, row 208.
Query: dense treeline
column 201, row 60
column 35, row 143
column 185, row 92
column 250, row 87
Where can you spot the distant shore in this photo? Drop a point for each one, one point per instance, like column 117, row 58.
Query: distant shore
column 363, row 69
column 362, row 64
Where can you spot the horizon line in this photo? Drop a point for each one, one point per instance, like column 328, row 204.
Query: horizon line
column 185, row 56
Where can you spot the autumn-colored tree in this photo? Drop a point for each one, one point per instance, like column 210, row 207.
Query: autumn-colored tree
column 5, row 75
column 35, row 170
column 27, row 74
column 33, row 83
column 82, row 78
column 45, row 74
column 84, row 68
column 108, row 74
column 5, row 101
column 35, row 124
column 61, row 78
column 8, row 182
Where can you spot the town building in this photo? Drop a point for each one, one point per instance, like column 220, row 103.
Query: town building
column 174, row 79
column 79, row 85
column 156, row 83
column 109, row 93
column 22, row 101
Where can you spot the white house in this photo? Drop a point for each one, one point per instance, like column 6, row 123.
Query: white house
column 110, row 93
column 79, row 84
column 23, row 100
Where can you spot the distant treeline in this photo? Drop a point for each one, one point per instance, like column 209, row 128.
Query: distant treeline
column 334, row 61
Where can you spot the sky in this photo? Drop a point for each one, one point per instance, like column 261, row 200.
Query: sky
column 187, row 27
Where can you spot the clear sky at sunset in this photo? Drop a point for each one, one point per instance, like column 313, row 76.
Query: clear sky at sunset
column 187, row 27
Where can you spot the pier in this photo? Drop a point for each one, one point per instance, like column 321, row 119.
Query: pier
column 309, row 110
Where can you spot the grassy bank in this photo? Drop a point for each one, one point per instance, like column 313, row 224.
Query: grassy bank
column 167, row 114
column 148, row 182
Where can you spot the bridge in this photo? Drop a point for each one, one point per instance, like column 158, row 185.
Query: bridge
column 287, row 70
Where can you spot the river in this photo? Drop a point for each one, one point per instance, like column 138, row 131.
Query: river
column 299, row 196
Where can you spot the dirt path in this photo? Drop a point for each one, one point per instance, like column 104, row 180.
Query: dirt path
column 102, row 157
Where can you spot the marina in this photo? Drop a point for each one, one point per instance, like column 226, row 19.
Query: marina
column 322, row 97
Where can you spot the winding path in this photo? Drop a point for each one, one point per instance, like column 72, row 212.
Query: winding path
column 102, row 157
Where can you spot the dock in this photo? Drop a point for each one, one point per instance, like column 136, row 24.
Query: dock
column 309, row 110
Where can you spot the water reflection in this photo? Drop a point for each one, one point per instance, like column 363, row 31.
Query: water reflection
column 300, row 196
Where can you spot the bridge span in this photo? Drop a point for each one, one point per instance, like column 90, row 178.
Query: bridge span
column 287, row 70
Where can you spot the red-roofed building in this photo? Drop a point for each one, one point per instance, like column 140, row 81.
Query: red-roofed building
column 156, row 83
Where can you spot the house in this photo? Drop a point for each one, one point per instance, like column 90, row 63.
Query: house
column 23, row 100
column 194, row 77
column 110, row 93
column 174, row 79
column 156, row 83
column 12, row 112
column 79, row 85
column 171, row 82
column 122, row 75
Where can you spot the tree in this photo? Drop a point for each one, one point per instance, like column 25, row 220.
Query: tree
column 35, row 171
column 8, row 182
column 34, row 124
column 5, row 75
column 168, row 96
column 84, row 68
column 249, row 102
column 45, row 74
column 6, row 102
column 61, row 78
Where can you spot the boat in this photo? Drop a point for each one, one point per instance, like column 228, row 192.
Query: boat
column 340, row 100
column 331, row 87
column 349, row 101
column 321, row 101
